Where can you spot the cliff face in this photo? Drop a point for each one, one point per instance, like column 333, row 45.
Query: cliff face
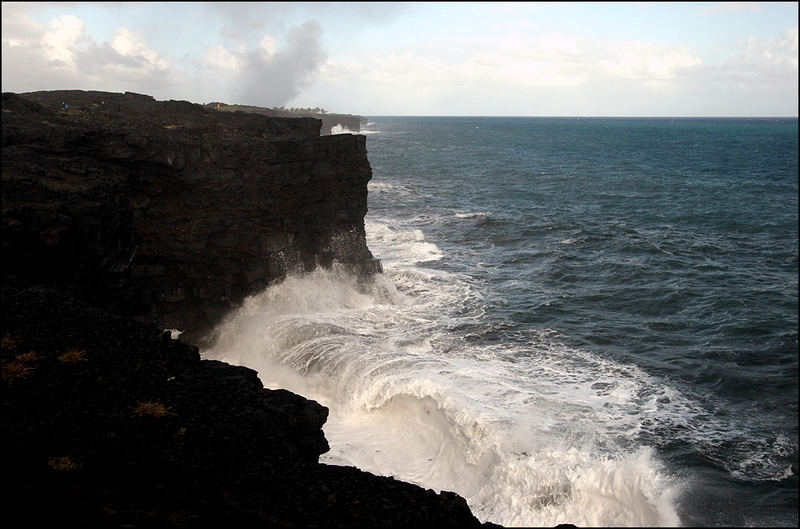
column 170, row 213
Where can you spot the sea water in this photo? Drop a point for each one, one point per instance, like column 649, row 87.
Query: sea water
column 587, row 321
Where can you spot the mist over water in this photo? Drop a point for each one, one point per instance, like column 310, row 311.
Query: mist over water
column 511, row 351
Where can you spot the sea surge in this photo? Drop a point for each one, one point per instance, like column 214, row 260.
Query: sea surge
column 528, row 431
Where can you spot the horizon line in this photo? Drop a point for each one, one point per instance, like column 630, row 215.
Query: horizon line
column 565, row 116
column 434, row 115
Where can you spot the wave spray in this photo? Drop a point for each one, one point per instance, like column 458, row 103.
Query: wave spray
column 516, row 428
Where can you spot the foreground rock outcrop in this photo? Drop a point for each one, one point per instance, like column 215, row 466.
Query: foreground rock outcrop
column 123, row 216
column 108, row 422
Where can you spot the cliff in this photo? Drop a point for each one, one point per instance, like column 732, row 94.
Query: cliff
column 166, row 212
column 123, row 216
column 350, row 122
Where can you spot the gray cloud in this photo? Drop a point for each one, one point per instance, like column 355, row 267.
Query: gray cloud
column 238, row 19
column 272, row 80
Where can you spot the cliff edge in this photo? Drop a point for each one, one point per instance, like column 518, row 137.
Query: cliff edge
column 329, row 121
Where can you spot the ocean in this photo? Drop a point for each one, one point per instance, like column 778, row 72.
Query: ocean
column 580, row 320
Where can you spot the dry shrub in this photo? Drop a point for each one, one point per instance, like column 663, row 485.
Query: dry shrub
column 62, row 464
column 20, row 367
column 8, row 343
column 150, row 409
column 73, row 356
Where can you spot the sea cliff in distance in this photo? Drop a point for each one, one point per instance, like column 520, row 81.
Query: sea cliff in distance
column 330, row 122
column 124, row 216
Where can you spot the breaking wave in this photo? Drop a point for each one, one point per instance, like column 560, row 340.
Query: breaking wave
column 523, row 430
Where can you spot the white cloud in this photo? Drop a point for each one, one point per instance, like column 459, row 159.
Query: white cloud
column 61, row 55
column 219, row 58
column 772, row 52
column 759, row 66
column 18, row 29
column 268, row 62
column 521, row 62
column 731, row 7
column 266, row 74
column 58, row 42
column 645, row 61
column 126, row 44
column 269, row 76
column 268, row 44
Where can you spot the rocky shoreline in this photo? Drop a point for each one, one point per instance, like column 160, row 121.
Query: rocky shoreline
column 123, row 216
column 108, row 422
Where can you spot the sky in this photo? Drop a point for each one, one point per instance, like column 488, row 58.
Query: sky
column 421, row 59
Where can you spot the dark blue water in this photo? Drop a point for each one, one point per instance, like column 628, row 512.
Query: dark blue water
column 665, row 244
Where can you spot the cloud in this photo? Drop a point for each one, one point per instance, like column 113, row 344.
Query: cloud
column 62, row 55
column 18, row 29
column 780, row 53
column 268, row 75
column 240, row 19
column 759, row 65
column 220, row 58
column 645, row 61
column 58, row 42
column 272, row 77
column 731, row 7
column 127, row 45
column 525, row 62
column 126, row 62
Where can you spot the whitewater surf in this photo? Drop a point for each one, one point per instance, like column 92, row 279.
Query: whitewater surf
column 530, row 433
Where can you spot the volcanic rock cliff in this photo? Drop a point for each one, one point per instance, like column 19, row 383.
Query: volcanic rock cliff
column 329, row 120
column 164, row 211
column 123, row 216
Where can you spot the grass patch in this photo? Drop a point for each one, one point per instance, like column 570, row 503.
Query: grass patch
column 151, row 409
column 20, row 367
column 73, row 356
column 62, row 464
column 8, row 343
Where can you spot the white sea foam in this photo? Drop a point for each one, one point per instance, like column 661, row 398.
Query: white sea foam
column 384, row 187
column 174, row 333
column 401, row 247
column 473, row 215
column 341, row 129
column 522, row 430
column 411, row 401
